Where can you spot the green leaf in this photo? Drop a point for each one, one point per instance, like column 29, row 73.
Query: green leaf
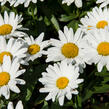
column 65, row 18
column 55, row 22
column 102, row 74
column 46, row 20
column 88, row 94
column 45, row 106
column 102, row 89
column 73, row 24
column 29, row 93
column 79, row 101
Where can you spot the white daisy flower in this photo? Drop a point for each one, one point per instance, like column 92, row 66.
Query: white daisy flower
column 103, row 3
column 10, row 25
column 35, row 47
column 68, row 47
column 9, row 72
column 12, row 48
column 97, row 48
column 96, row 19
column 78, row 3
column 59, row 81
column 18, row 2
column 18, row 106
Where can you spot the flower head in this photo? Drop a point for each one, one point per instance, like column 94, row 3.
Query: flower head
column 10, row 25
column 35, row 46
column 68, row 47
column 96, row 19
column 9, row 73
column 97, row 48
column 12, row 48
column 59, row 81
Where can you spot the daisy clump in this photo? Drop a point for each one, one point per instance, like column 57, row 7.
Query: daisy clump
column 60, row 81
column 10, row 25
column 103, row 3
column 9, row 73
column 98, row 18
column 69, row 47
column 18, row 106
column 97, row 49
column 35, row 47
column 78, row 3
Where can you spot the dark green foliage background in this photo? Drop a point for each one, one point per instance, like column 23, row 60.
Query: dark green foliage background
column 48, row 17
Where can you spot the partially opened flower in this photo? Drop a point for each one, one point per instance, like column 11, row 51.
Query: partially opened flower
column 18, row 106
column 9, row 73
column 96, row 19
column 35, row 47
column 12, row 48
column 10, row 25
column 103, row 3
column 69, row 47
column 78, row 3
column 60, row 81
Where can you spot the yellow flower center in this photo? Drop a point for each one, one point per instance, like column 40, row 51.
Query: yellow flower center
column 33, row 49
column 2, row 54
column 70, row 50
column 101, row 24
column 62, row 82
column 5, row 29
column 103, row 48
column 4, row 78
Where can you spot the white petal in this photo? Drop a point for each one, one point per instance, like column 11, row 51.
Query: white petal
column 78, row 3
column 61, row 100
column 19, row 105
column 6, row 63
column 10, row 105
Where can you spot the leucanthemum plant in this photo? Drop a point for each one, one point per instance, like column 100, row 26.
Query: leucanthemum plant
column 60, row 81
column 18, row 106
column 97, row 48
column 10, row 25
column 35, row 47
column 9, row 73
column 98, row 18
column 69, row 47
column 103, row 3
column 12, row 48
column 78, row 3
